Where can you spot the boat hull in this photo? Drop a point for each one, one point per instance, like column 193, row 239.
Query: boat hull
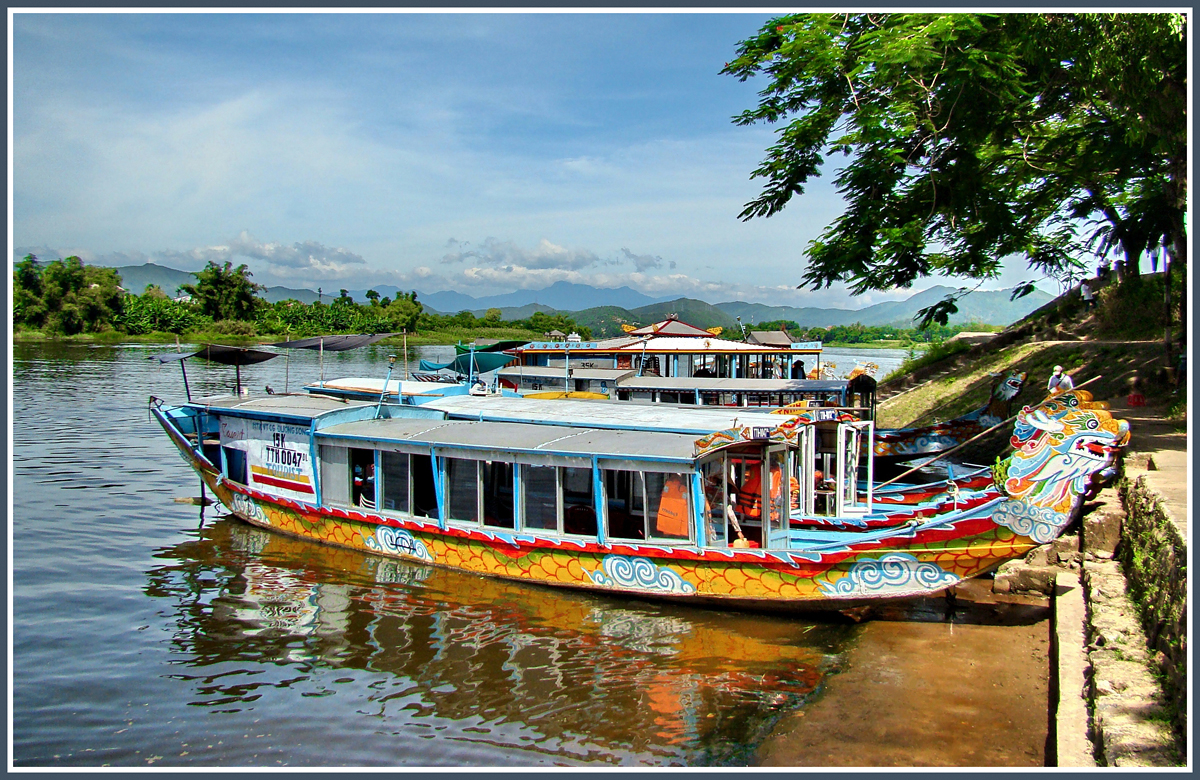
column 839, row 576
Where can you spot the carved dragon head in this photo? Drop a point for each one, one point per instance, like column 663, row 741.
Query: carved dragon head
column 1056, row 450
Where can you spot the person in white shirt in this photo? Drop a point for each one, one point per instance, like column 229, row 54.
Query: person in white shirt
column 1059, row 382
column 1089, row 298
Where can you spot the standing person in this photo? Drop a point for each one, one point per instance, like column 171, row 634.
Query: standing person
column 1059, row 382
column 1089, row 297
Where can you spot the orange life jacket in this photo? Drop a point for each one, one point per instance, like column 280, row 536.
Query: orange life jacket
column 749, row 498
column 672, row 518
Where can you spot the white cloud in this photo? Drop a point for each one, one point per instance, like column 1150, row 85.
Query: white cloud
column 501, row 254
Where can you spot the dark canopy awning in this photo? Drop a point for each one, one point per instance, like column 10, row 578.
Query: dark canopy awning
column 335, row 343
column 499, row 346
column 219, row 353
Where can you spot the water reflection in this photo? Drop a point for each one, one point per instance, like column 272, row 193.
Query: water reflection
column 547, row 672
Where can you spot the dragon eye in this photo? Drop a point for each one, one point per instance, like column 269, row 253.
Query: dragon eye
column 1093, row 424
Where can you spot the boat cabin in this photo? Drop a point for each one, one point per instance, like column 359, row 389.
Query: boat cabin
column 673, row 348
column 585, row 480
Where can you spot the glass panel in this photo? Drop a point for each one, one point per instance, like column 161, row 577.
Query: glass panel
column 579, row 509
column 747, row 473
column 462, row 490
column 716, row 493
column 622, row 490
column 335, row 475
column 780, row 498
column 670, row 499
column 395, row 481
column 363, row 489
column 424, row 493
column 540, row 485
column 498, row 494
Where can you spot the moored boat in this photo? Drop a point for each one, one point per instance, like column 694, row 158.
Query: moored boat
column 897, row 444
column 645, row 501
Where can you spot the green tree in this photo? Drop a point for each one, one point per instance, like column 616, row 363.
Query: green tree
column 65, row 296
column 224, row 292
column 970, row 137
column 492, row 316
column 404, row 313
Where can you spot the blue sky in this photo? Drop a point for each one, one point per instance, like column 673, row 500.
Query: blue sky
column 476, row 152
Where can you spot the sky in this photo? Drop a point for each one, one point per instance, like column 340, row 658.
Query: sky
column 481, row 153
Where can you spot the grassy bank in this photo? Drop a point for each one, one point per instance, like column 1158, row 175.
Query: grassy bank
column 968, row 386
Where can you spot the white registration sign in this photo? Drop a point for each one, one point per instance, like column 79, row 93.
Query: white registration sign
column 278, row 460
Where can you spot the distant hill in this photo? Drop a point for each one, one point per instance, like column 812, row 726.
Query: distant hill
column 136, row 278
column 992, row 307
column 606, row 321
column 603, row 309
column 513, row 312
column 561, row 296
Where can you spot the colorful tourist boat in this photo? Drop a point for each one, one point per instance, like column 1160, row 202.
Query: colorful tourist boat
column 896, row 444
column 644, row 501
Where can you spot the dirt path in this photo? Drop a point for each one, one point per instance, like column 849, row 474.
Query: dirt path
column 915, row 692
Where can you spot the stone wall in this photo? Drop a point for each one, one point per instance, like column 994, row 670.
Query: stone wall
column 1153, row 555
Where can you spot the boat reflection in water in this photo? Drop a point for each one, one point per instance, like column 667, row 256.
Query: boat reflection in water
column 557, row 676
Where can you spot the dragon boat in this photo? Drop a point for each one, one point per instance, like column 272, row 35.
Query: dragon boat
column 639, row 501
column 898, row 444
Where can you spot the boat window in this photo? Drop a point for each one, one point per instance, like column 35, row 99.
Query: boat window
column 363, row 488
column 579, row 508
column 780, row 498
column 498, row 494
column 424, row 493
column 335, row 475
column 395, row 481
column 648, row 505
column 462, row 490
column 235, row 464
column 746, row 471
column 623, row 495
column 540, row 485
column 669, row 505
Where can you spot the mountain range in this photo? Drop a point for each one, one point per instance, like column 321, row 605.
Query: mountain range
column 604, row 309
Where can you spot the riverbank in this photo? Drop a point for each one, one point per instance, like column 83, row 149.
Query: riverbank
column 429, row 339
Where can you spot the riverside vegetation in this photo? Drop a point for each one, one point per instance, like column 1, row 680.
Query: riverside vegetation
column 68, row 299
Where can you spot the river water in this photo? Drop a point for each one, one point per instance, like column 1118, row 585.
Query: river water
column 146, row 633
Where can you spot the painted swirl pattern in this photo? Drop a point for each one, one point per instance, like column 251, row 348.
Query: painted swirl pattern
column 620, row 571
column 397, row 541
column 892, row 572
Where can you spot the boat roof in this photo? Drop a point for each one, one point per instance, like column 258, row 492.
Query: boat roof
column 610, row 415
column 741, row 385
column 657, row 343
column 375, row 385
column 774, row 338
column 552, row 372
column 516, row 437
column 671, row 327
column 299, row 405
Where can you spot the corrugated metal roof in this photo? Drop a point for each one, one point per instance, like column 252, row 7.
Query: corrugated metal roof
column 298, row 405
column 600, row 414
column 518, row 437
column 671, row 327
column 775, row 338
